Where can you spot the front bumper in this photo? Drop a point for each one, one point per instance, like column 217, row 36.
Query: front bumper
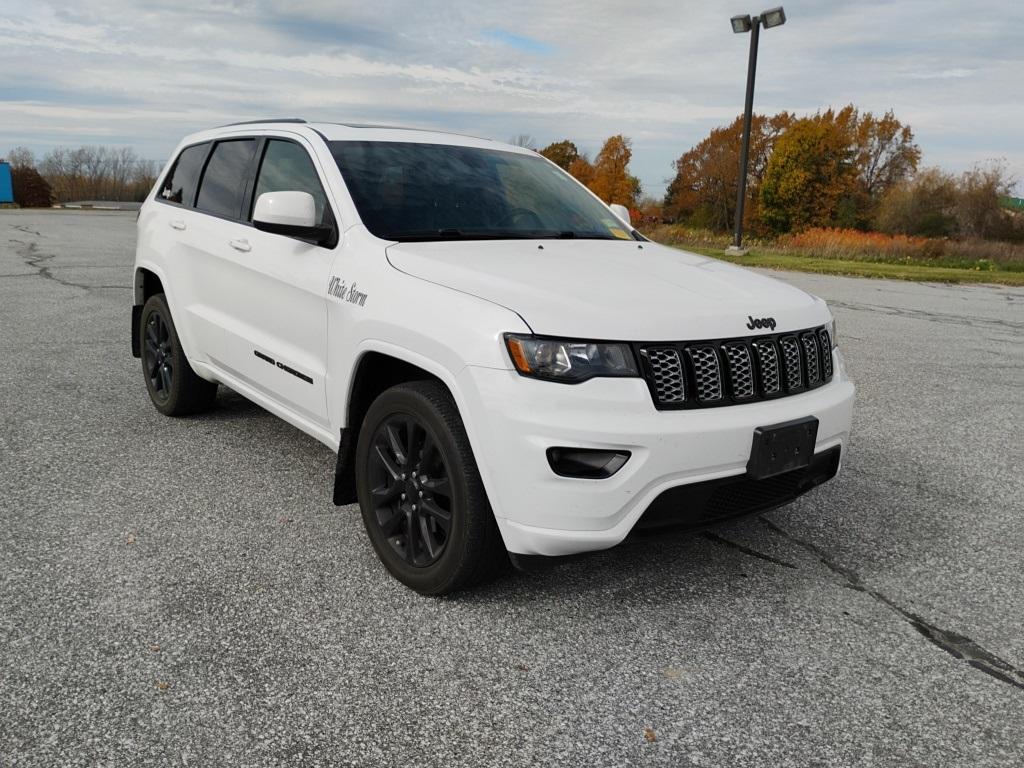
column 513, row 421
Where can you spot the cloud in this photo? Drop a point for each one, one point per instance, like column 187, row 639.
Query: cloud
column 145, row 73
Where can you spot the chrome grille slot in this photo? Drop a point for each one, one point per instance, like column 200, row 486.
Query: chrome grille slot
column 791, row 358
column 768, row 360
column 811, row 353
column 667, row 374
column 706, row 373
column 826, row 354
column 741, row 370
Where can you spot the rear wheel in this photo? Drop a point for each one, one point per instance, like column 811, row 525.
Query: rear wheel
column 423, row 504
column 173, row 386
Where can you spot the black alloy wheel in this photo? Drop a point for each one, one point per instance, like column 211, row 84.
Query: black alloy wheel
column 158, row 356
column 410, row 489
column 423, row 503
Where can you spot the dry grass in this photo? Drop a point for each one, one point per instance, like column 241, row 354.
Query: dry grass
column 848, row 251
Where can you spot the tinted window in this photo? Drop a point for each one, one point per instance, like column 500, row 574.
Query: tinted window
column 411, row 191
column 287, row 167
column 223, row 182
column 180, row 184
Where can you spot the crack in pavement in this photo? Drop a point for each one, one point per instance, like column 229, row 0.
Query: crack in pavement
column 956, row 645
column 745, row 550
column 934, row 317
column 29, row 253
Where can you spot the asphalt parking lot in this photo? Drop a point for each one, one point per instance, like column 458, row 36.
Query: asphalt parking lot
column 183, row 592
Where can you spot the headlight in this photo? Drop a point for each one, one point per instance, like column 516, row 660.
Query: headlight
column 569, row 361
column 832, row 332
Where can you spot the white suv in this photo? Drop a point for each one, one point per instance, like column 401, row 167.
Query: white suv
column 503, row 365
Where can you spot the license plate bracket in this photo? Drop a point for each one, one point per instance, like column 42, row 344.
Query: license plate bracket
column 780, row 448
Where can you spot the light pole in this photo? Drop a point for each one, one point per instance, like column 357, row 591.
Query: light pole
column 775, row 17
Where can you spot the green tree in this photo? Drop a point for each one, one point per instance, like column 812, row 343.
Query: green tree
column 561, row 153
column 924, row 205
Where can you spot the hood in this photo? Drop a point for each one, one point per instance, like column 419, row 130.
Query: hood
column 613, row 290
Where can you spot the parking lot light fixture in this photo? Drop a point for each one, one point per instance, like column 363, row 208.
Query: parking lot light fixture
column 773, row 17
column 741, row 23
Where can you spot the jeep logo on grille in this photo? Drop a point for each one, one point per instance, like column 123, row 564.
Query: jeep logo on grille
column 761, row 322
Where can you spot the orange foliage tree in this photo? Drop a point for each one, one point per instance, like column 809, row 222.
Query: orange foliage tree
column 703, row 191
column 611, row 180
column 833, row 169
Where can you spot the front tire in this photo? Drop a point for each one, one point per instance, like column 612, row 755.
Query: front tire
column 173, row 386
column 422, row 500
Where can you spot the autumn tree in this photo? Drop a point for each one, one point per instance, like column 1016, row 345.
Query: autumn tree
column 611, row 180
column 561, row 153
column 885, row 152
column 703, row 191
column 978, row 212
column 582, row 170
column 924, row 205
column 811, row 177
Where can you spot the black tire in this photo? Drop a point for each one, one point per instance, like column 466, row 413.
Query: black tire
column 173, row 386
column 418, row 425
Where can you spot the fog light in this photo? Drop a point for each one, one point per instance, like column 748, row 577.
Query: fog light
column 587, row 463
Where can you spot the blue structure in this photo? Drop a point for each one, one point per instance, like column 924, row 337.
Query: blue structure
column 6, row 188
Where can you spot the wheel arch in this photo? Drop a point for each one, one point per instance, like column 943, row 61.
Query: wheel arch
column 375, row 371
column 147, row 283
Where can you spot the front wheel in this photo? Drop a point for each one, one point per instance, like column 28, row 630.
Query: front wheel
column 422, row 500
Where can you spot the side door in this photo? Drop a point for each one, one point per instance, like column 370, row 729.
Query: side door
column 277, row 332
column 178, row 242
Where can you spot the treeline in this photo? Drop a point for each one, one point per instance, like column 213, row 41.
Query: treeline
column 86, row 173
column 835, row 169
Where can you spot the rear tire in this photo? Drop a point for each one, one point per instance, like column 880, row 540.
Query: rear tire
column 422, row 500
column 173, row 386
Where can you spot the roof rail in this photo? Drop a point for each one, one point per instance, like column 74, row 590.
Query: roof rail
column 267, row 120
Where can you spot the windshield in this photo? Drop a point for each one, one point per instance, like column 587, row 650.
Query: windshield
column 409, row 191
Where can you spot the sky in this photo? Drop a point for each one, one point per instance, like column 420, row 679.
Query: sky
column 144, row 74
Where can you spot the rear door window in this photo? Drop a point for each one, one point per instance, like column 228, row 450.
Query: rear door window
column 180, row 184
column 286, row 167
column 223, row 186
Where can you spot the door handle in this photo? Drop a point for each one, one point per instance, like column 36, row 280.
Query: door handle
column 177, row 224
column 240, row 244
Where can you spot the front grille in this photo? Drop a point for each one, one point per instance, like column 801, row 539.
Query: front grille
column 703, row 374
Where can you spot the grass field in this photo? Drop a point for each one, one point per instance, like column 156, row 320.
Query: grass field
column 841, row 252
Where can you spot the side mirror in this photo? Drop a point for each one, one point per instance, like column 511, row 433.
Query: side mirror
column 289, row 213
column 623, row 213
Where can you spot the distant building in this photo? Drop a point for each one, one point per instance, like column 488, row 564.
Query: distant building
column 6, row 188
column 1014, row 204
